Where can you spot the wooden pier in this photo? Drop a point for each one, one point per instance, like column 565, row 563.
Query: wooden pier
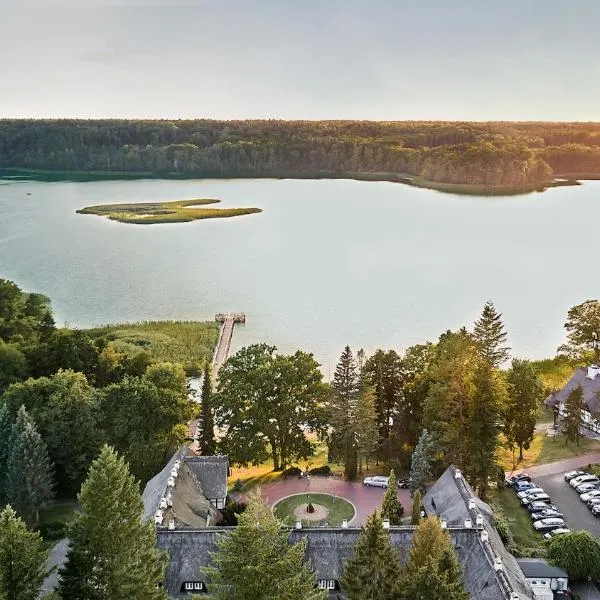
column 228, row 321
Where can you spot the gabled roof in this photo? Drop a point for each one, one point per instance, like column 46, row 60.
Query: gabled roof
column 538, row 567
column 590, row 387
column 211, row 472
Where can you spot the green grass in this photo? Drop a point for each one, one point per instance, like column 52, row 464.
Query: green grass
column 190, row 343
column 525, row 536
column 179, row 211
column 59, row 512
column 339, row 509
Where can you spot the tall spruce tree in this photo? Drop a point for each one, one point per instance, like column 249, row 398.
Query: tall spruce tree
column 5, row 431
column 22, row 558
column 343, row 410
column 207, row 422
column 422, row 459
column 391, row 508
column 525, row 392
column 256, row 561
column 28, row 472
column 415, row 517
column 113, row 554
column 374, row 569
column 490, row 336
column 367, row 434
column 433, row 571
column 573, row 419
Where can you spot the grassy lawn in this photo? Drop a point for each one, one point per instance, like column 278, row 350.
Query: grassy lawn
column 518, row 518
column 338, row 509
column 190, row 343
column 179, row 211
column 546, row 449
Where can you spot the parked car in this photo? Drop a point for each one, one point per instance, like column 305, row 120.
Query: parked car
column 589, row 495
column 587, row 487
column 555, row 532
column 516, row 478
column 596, row 510
column 546, row 514
column 522, row 486
column 582, row 479
column 376, row 481
column 549, row 524
column 539, row 497
column 404, row 483
column 535, row 490
column 535, row 507
column 593, row 502
column 572, row 474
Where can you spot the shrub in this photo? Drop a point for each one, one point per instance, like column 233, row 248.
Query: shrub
column 324, row 470
column 310, row 508
column 503, row 527
column 230, row 512
column 238, row 485
column 578, row 553
column 292, row 472
column 52, row 530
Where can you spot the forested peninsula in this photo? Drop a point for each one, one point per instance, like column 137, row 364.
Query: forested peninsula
column 487, row 157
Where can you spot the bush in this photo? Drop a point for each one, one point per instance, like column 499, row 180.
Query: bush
column 230, row 512
column 310, row 508
column 292, row 472
column 325, row 470
column 238, row 485
column 52, row 530
column 503, row 527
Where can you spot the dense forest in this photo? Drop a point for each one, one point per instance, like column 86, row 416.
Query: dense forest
column 489, row 154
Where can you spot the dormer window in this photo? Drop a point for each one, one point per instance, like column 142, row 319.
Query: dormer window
column 328, row 584
column 196, row 587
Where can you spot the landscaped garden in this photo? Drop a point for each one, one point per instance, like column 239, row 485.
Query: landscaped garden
column 314, row 510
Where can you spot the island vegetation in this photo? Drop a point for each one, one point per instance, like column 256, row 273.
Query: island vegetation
column 468, row 157
column 179, row 211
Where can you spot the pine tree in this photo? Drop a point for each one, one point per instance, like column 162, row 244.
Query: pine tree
column 367, row 433
column 113, row 554
column 490, row 336
column 28, row 472
column 489, row 399
column 422, row 458
column 433, row 571
column 207, row 423
column 22, row 558
column 415, row 518
column 573, row 420
column 391, row 508
column 256, row 561
column 374, row 568
column 344, row 408
column 5, row 432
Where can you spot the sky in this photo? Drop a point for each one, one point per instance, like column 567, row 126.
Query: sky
column 302, row 59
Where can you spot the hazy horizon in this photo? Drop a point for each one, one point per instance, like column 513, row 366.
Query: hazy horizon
column 335, row 60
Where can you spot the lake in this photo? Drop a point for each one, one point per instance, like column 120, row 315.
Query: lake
column 327, row 263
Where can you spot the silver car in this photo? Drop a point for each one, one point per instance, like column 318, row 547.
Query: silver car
column 377, row 481
column 535, row 490
column 549, row 524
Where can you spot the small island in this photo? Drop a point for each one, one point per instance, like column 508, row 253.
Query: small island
column 178, row 211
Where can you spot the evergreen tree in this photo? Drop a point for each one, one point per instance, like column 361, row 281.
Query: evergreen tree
column 489, row 399
column 344, row 408
column 525, row 392
column 420, row 470
column 433, row 571
column 367, row 434
column 415, row 518
column 256, row 561
column 374, row 569
column 5, row 432
column 490, row 336
column 112, row 555
column 28, row 472
column 22, row 558
column 573, row 420
column 207, row 423
column 391, row 508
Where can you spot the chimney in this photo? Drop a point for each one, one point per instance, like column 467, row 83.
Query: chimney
column 592, row 371
column 485, row 536
column 444, row 524
column 345, row 524
column 498, row 564
column 386, row 523
column 468, row 523
column 457, row 474
column 472, row 504
column 479, row 521
column 298, row 524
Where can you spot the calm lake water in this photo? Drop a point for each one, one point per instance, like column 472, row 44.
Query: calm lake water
column 327, row 263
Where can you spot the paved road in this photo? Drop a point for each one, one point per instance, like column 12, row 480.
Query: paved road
column 365, row 499
column 56, row 559
column 567, row 499
column 561, row 466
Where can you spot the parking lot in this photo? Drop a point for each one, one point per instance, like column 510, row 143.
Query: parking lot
column 567, row 500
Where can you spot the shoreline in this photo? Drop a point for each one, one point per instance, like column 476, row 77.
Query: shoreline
column 467, row 189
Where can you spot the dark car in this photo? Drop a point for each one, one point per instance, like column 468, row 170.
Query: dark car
column 545, row 514
column 536, row 507
column 596, row 510
column 404, row 483
column 515, row 478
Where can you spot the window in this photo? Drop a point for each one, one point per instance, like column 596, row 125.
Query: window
column 328, row 584
column 194, row 586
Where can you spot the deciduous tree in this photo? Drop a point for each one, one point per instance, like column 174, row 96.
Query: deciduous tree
column 583, row 330
column 22, row 558
column 578, row 553
column 374, row 569
column 490, row 336
column 13, row 365
column 112, row 553
column 256, row 561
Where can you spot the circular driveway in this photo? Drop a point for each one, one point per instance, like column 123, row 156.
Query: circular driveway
column 366, row 500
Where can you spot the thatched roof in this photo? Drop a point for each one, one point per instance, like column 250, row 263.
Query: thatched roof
column 589, row 380
column 212, row 473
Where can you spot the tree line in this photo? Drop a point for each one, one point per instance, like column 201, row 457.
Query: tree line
column 490, row 154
